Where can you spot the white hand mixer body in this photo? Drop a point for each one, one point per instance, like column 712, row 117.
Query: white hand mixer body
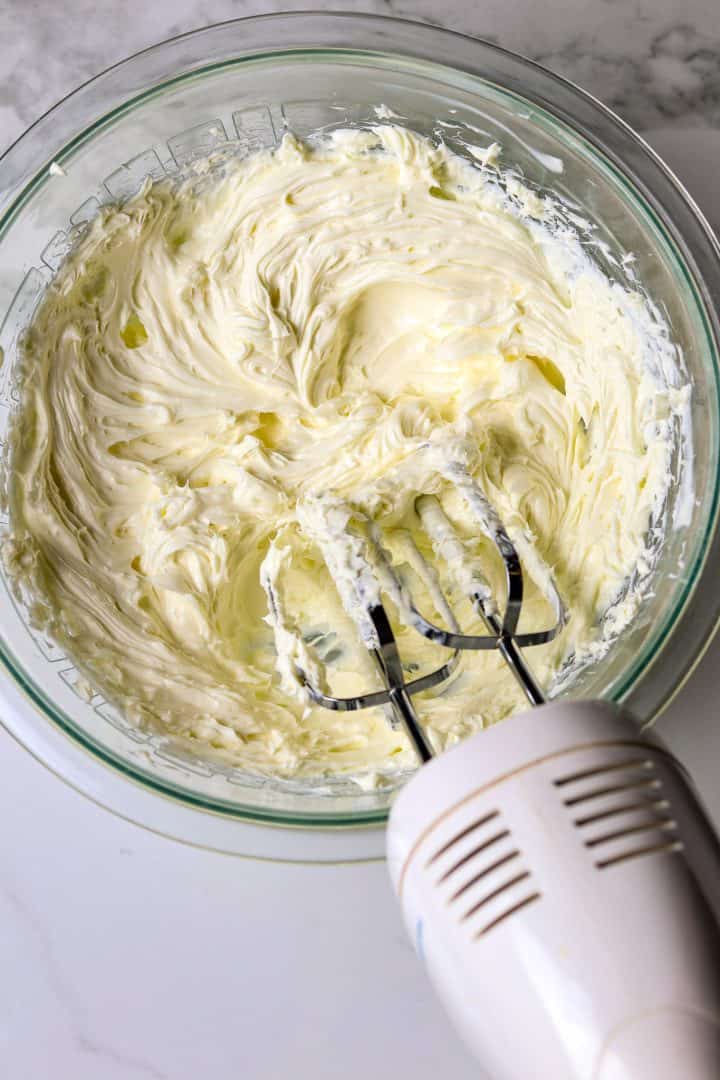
column 561, row 882
column 556, row 872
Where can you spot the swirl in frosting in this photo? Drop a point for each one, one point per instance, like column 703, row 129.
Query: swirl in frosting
column 214, row 354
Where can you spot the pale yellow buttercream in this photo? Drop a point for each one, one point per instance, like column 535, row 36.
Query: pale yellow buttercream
column 305, row 326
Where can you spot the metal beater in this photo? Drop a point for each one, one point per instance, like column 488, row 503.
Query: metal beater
column 375, row 575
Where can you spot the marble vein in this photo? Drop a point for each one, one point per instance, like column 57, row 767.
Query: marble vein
column 654, row 61
column 35, row 937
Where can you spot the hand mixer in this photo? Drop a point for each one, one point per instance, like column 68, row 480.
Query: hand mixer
column 556, row 872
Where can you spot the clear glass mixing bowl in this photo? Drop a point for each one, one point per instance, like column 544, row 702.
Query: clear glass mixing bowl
column 242, row 84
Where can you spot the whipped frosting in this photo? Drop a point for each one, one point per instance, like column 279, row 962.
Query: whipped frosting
column 214, row 359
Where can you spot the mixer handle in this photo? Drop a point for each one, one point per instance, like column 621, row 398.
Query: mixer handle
column 561, row 881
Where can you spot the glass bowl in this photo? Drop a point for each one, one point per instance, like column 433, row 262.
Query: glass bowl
column 237, row 87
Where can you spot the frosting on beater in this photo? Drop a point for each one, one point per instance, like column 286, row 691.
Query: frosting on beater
column 213, row 354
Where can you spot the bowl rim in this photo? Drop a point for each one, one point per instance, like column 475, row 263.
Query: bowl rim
column 382, row 36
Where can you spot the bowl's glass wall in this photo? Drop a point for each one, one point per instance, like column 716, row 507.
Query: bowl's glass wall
column 248, row 103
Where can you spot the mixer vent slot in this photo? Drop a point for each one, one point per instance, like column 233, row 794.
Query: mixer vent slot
column 632, row 778
column 647, row 830
column 621, row 812
column 510, row 857
column 484, row 873
column 494, row 893
column 626, row 808
column 653, row 849
column 461, row 835
column 601, row 770
column 666, row 825
column 474, row 853
column 614, row 789
column 506, row 914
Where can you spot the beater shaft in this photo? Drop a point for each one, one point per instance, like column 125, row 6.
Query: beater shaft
column 512, row 655
column 363, row 570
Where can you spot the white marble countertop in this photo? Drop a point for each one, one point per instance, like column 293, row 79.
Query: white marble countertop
column 125, row 956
